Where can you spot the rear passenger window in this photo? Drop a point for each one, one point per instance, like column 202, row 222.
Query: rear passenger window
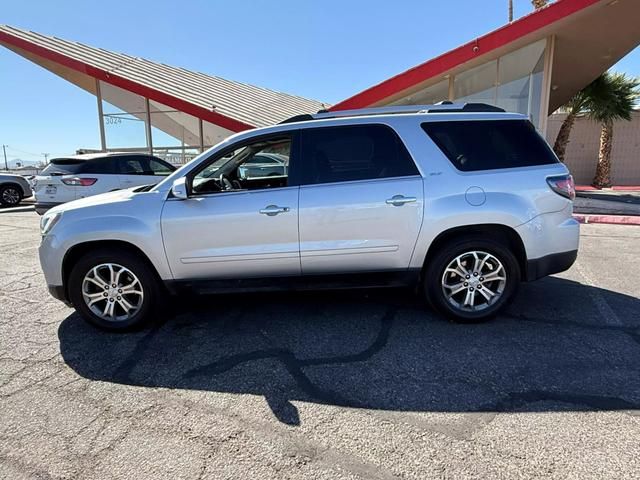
column 102, row 166
column 134, row 165
column 157, row 167
column 358, row 152
column 490, row 144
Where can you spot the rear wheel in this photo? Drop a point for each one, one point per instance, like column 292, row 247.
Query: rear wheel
column 10, row 195
column 472, row 279
column 114, row 290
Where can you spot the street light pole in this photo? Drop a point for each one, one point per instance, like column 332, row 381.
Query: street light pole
column 46, row 158
column 6, row 164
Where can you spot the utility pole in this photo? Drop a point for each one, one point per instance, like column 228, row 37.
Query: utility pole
column 510, row 11
column 46, row 158
column 6, row 164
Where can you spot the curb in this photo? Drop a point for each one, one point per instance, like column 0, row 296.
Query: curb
column 608, row 219
column 18, row 209
column 620, row 188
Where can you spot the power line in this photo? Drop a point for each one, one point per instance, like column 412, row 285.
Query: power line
column 22, row 151
column 32, row 154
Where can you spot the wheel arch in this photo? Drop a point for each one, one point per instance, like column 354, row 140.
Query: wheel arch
column 77, row 251
column 498, row 232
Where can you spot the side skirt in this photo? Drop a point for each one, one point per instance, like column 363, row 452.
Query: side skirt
column 403, row 278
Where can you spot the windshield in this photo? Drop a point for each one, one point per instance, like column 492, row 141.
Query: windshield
column 212, row 169
column 168, row 181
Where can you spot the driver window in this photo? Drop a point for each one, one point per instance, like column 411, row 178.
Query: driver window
column 260, row 165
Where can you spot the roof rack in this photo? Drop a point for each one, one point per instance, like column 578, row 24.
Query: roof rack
column 442, row 107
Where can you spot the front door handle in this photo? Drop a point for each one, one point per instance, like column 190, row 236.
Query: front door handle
column 273, row 210
column 399, row 200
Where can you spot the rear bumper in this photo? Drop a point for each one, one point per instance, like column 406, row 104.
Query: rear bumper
column 41, row 208
column 550, row 264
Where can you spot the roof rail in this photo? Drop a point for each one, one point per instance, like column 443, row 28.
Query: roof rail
column 298, row 118
column 442, row 107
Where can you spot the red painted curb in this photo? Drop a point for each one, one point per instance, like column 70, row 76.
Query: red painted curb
column 608, row 219
column 621, row 188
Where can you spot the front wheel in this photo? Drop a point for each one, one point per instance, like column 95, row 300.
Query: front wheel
column 10, row 196
column 472, row 279
column 114, row 290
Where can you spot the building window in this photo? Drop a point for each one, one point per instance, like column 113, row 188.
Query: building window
column 477, row 85
column 520, row 81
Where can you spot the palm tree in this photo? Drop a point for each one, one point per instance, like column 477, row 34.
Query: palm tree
column 539, row 3
column 612, row 98
column 574, row 107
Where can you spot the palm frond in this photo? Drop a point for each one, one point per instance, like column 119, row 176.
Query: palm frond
column 611, row 97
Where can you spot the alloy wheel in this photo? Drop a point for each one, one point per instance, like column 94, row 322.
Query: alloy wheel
column 474, row 281
column 10, row 196
column 112, row 292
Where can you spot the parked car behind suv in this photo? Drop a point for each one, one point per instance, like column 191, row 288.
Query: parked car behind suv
column 80, row 176
column 13, row 188
column 462, row 200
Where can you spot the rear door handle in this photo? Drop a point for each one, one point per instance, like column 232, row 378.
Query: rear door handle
column 399, row 200
column 273, row 210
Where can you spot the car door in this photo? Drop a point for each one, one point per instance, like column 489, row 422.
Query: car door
column 131, row 170
column 361, row 200
column 243, row 232
column 97, row 175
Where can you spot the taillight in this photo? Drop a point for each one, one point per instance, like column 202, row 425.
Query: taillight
column 79, row 182
column 563, row 185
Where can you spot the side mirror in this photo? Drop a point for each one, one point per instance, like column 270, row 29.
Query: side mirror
column 179, row 188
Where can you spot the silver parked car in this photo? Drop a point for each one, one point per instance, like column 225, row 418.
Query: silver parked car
column 463, row 200
column 13, row 188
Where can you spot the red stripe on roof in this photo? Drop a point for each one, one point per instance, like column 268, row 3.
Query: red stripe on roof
column 487, row 43
column 169, row 100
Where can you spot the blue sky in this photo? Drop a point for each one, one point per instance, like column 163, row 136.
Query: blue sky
column 325, row 50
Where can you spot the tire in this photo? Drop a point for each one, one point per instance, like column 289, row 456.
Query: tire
column 146, row 306
column 10, row 195
column 494, row 254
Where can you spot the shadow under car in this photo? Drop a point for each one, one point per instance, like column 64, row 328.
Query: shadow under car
column 552, row 350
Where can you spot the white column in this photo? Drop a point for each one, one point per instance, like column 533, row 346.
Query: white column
column 147, row 124
column 546, row 84
column 103, row 137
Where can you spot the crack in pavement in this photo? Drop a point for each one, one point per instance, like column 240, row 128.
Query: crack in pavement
column 295, row 367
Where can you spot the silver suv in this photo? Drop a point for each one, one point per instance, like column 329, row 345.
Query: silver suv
column 463, row 200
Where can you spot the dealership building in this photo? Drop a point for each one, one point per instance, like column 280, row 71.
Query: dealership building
column 532, row 65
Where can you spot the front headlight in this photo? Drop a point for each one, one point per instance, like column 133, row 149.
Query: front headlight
column 47, row 222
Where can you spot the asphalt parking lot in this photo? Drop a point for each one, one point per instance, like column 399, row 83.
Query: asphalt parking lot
column 354, row 385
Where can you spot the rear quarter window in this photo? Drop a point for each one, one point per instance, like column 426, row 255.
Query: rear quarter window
column 491, row 144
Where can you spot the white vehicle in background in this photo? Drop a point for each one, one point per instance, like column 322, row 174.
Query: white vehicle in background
column 79, row 176
column 13, row 188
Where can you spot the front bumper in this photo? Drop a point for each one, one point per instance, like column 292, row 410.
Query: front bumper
column 550, row 264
